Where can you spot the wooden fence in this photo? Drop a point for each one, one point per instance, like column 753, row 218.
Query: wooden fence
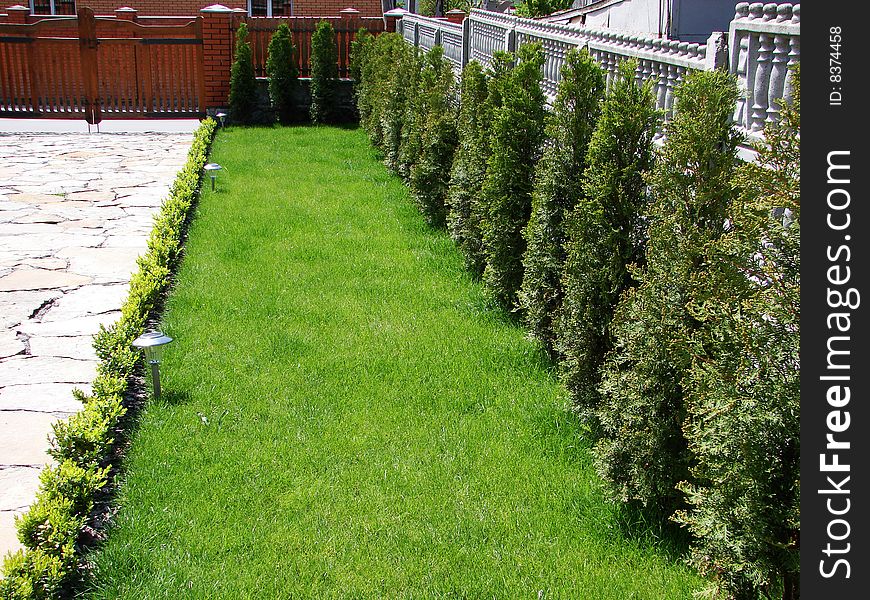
column 302, row 28
column 104, row 67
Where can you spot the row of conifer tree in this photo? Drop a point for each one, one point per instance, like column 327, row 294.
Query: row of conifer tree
column 663, row 279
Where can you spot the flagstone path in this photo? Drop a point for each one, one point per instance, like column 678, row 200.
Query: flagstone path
column 75, row 212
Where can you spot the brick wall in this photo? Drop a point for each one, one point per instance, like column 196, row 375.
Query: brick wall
column 310, row 8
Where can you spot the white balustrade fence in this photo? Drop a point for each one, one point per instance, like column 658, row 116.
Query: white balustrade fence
column 762, row 43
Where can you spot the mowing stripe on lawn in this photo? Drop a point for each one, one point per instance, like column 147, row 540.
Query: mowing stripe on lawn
column 343, row 416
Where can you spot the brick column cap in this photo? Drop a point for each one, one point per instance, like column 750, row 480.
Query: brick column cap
column 216, row 8
column 348, row 12
column 396, row 12
column 18, row 8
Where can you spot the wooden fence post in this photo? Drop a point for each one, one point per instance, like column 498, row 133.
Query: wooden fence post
column 88, row 56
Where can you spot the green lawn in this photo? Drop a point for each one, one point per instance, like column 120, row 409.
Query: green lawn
column 343, row 416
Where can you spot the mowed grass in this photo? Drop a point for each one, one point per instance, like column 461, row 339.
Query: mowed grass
column 344, row 417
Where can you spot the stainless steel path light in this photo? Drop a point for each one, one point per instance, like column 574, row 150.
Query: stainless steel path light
column 151, row 344
column 222, row 116
column 211, row 169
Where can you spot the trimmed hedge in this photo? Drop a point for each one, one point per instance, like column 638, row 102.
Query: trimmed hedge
column 434, row 125
column 643, row 454
column 515, row 147
column 604, row 235
column 744, row 381
column 84, row 445
column 468, row 173
column 557, row 189
column 282, row 72
column 324, row 73
column 243, row 83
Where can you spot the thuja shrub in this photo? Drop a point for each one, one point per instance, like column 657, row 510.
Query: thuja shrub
column 409, row 124
column 642, row 454
column 400, row 93
column 469, row 168
column 436, row 123
column 743, row 387
column 83, row 445
column 283, row 73
column 515, row 146
column 377, row 66
column 557, row 189
column 359, row 54
column 324, row 73
column 604, row 235
column 243, row 84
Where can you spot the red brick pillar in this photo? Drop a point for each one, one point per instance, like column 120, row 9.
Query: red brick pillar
column 17, row 14
column 390, row 18
column 125, row 13
column 456, row 16
column 218, row 33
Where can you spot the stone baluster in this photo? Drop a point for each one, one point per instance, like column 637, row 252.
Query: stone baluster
column 794, row 56
column 778, row 72
column 761, row 82
column 671, row 82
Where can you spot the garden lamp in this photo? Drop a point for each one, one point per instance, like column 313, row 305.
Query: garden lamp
column 222, row 116
column 211, row 170
column 151, row 344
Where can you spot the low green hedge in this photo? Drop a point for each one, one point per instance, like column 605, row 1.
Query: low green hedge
column 84, row 444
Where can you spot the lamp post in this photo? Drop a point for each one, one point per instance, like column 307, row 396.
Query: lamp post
column 211, row 170
column 151, row 344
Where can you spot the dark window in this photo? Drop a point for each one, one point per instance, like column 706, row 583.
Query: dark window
column 58, row 7
column 280, row 8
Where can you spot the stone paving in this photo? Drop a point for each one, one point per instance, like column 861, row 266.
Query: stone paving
column 75, row 212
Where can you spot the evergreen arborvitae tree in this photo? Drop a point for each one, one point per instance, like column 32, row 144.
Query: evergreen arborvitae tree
column 243, row 84
column 515, row 146
column 377, row 70
column 400, row 97
column 469, row 168
column 743, row 389
column 557, row 190
column 359, row 49
column 283, row 73
column 604, row 234
column 436, row 125
column 324, row 73
column 642, row 454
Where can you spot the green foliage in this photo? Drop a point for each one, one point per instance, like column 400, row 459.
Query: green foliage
column 557, row 189
column 324, row 73
column 401, row 143
column 377, row 69
column 81, row 443
column 243, row 83
column 32, row 575
column 539, row 8
column 435, row 122
column 469, row 168
column 85, row 436
column 515, row 146
column 743, row 388
column 604, row 234
column 360, row 48
column 283, row 73
column 643, row 454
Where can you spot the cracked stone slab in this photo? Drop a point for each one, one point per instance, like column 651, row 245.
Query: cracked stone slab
column 10, row 344
column 80, row 326
column 86, row 301
column 80, row 347
column 20, row 370
column 42, row 397
column 40, row 279
column 103, row 264
column 24, row 438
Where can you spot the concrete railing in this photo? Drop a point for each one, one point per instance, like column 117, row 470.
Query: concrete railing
column 763, row 41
